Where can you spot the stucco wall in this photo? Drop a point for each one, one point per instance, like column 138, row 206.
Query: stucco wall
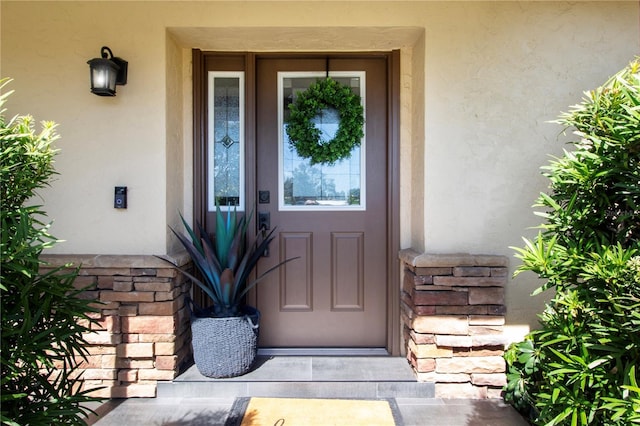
column 480, row 81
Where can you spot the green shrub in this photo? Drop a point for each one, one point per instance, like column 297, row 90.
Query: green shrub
column 43, row 317
column 580, row 367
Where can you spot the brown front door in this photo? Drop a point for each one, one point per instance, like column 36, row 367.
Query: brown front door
column 333, row 217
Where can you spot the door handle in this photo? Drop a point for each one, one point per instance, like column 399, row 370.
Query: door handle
column 264, row 221
column 264, row 224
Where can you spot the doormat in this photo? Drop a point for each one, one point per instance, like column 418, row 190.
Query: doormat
column 313, row 412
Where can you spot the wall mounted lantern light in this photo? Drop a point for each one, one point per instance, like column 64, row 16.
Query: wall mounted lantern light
column 106, row 72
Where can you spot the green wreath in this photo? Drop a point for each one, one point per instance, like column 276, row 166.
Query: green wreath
column 304, row 136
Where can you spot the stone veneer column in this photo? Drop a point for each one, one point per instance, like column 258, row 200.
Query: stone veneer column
column 453, row 318
column 142, row 334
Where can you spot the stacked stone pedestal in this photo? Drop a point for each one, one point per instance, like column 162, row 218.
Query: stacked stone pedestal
column 141, row 335
column 453, row 315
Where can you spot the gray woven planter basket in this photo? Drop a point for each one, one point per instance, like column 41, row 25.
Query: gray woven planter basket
column 224, row 347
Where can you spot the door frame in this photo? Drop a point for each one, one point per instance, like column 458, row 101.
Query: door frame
column 204, row 61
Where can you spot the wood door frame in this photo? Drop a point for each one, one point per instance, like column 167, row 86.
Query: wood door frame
column 202, row 62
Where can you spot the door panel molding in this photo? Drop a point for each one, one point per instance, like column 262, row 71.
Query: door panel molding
column 347, row 271
column 296, row 244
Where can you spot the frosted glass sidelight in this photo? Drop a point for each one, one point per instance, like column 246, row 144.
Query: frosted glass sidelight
column 225, row 177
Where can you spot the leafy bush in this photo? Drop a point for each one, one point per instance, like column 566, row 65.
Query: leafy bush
column 43, row 317
column 580, row 367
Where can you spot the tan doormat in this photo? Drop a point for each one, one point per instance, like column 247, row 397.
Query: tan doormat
column 313, row 412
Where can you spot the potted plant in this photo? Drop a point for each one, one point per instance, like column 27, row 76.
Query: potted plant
column 224, row 335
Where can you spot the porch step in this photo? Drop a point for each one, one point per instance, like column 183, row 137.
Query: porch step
column 307, row 377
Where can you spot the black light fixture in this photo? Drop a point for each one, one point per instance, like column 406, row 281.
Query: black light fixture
column 106, row 72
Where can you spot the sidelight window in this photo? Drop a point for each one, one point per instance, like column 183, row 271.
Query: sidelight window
column 225, row 145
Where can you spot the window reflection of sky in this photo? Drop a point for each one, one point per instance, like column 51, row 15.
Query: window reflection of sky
column 321, row 182
column 327, row 121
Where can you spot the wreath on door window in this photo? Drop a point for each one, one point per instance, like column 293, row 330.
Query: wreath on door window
column 305, row 136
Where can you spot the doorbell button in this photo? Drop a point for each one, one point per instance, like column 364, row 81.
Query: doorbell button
column 120, row 197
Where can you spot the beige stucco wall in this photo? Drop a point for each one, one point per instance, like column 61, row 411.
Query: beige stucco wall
column 479, row 82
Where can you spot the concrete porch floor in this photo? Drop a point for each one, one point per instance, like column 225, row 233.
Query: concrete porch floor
column 193, row 399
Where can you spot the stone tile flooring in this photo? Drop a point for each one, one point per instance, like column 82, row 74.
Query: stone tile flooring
column 214, row 411
column 308, row 377
column 195, row 400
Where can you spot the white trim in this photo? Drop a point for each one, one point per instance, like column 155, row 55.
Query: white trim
column 363, row 164
column 212, row 75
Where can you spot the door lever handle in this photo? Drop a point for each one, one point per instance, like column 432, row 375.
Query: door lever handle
column 264, row 224
column 264, row 221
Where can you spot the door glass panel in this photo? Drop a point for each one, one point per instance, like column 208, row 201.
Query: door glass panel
column 226, row 140
column 318, row 187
